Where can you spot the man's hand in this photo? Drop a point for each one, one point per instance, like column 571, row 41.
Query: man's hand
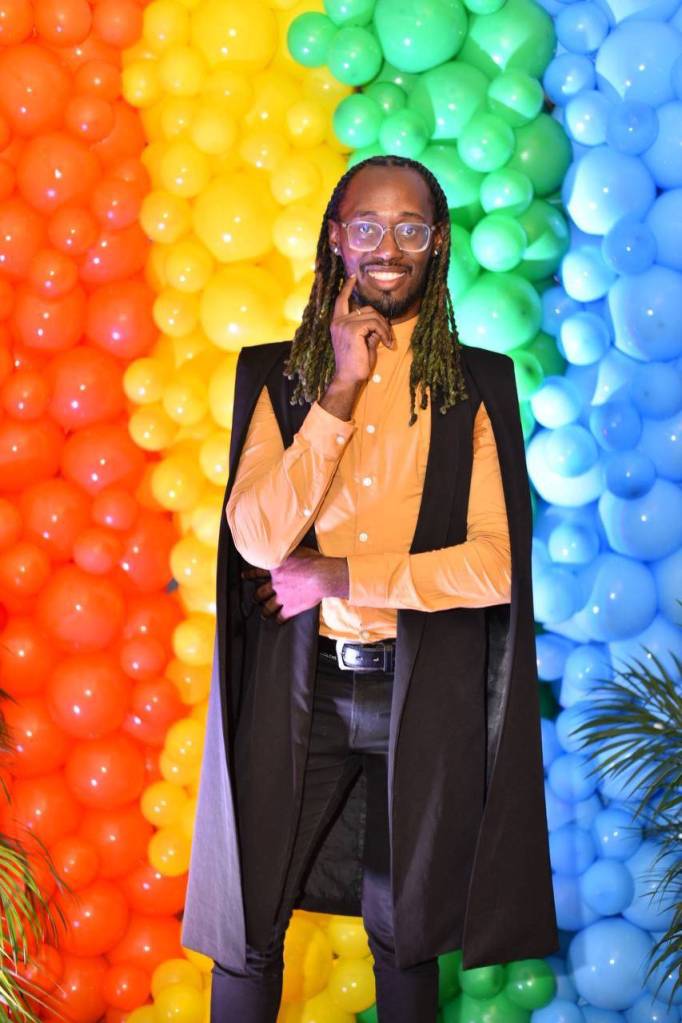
column 299, row 583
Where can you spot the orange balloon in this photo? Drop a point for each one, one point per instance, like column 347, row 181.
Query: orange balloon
column 34, row 88
column 98, row 78
column 73, row 230
column 78, row 996
column 106, row 772
column 143, row 657
column 52, row 273
column 10, row 522
column 91, row 48
column 144, row 564
column 97, row 550
column 120, row 837
column 86, row 388
column 75, row 860
column 96, row 918
column 133, row 172
column 26, row 657
column 116, row 203
column 79, row 611
column 44, row 805
column 25, row 394
column 39, row 745
column 55, row 169
column 54, row 513
column 51, row 325
column 126, row 986
column 29, row 452
column 88, row 695
column 148, row 942
column 24, row 569
column 114, row 507
column 44, row 969
column 89, row 117
column 102, row 455
column 153, row 614
column 118, row 22
column 125, row 139
column 115, row 255
column 22, row 233
column 152, row 893
column 119, row 319
column 16, row 21
column 7, row 179
column 62, row 22
column 155, row 705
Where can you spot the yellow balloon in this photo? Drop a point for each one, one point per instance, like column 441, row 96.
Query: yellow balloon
column 348, row 936
column 151, row 428
column 307, row 123
column 204, row 519
column 182, row 71
column 161, row 803
column 307, row 958
column 200, row 714
column 165, row 23
column 184, row 169
column 297, row 300
column 154, row 268
column 202, row 962
column 143, row 1014
column 168, row 851
column 233, row 217
column 179, row 1003
column 193, row 640
column 321, row 1009
column 188, row 265
column 185, row 399
column 191, row 346
column 175, row 312
column 140, row 50
column 239, row 307
column 263, row 148
column 175, row 116
column 189, row 812
column 176, row 971
column 214, row 127
column 192, row 682
column 214, row 456
column 144, row 380
column 273, row 93
column 244, row 34
column 165, row 217
column 351, row 986
column 321, row 85
column 185, row 741
column 295, row 178
column 231, row 87
column 296, row 231
column 140, row 84
column 174, row 771
column 191, row 562
column 221, row 391
column 151, row 158
column 176, row 482
column 332, row 167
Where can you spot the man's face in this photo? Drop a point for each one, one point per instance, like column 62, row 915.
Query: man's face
column 390, row 280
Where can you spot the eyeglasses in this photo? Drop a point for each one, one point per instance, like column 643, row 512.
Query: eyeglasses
column 367, row 235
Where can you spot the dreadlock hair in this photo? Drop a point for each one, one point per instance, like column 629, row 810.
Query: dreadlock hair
column 436, row 349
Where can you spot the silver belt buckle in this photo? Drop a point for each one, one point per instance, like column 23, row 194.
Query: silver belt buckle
column 340, row 643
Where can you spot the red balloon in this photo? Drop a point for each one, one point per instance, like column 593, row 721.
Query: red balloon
column 91, row 48
column 98, row 78
column 25, row 395
column 78, row 996
column 126, row 138
column 119, row 319
column 151, row 892
column 54, row 513
column 26, row 657
column 73, row 230
column 44, row 805
column 116, row 203
column 148, row 942
column 6, row 306
column 143, row 657
column 126, row 986
column 153, row 614
column 114, row 507
column 39, row 746
column 80, row 611
column 52, row 273
column 96, row 918
column 10, row 522
column 16, row 21
column 118, row 22
column 24, row 569
column 86, row 387
column 101, row 456
column 22, row 233
column 34, row 88
column 44, row 969
column 75, row 860
column 144, row 565
column 106, row 772
column 63, row 22
column 29, row 452
column 56, row 169
column 97, row 550
column 7, row 179
column 51, row 325
column 120, row 836
column 134, row 172
column 88, row 695
column 88, row 117
column 115, row 256
column 155, row 706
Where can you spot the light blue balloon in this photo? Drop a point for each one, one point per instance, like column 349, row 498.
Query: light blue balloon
column 613, row 372
column 584, row 379
column 664, row 158
column 556, row 402
column 573, row 543
column 648, row 1009
column 607, row 887
column 645, row 311
column 566, row 491
column 625, row 787
column 661, row 442
column 572, row 912
column 664, row 219
column 552, row 652
column 608, row 959
column 567, row 76
column 617, row 835
column 585, row 810
column 559, row 1010
column 584, row 338
column 585, row 668
column 659, row 636
column 636, row 61
column 565, row 988
column 568, row 723
column 646, row 527
column 629, row 473
column 584, row 274
column 632, row 127
column 556, row 306
column 620, row 597
column 616, row 425
column 559, row 811
column 555, row 595
column 550, row 743
column 582, row 27
column 594, row 1015
column 647, row 909
column 666, row 975
column 571, row 850
column 667, row 573
column 586, row 117
column 571, row 777
column 676, row 77
column 641, row 10
column 630, row 246
column 605, row 186
column 571, row 450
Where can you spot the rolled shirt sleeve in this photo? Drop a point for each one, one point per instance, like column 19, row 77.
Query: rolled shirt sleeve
column 475, row 573
column 278, row 491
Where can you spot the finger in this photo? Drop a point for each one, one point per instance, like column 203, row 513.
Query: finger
column 374, row 324
column 342, row 304
column 263, row 592
column 272, row 605
column 255, row 573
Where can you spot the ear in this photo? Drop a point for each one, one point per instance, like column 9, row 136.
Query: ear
column 437, row 239
column 334, row 234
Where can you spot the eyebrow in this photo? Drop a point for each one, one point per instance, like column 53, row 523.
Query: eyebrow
column 375, row 213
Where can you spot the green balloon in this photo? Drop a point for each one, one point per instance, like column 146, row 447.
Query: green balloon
column 420, row 34
column 354, row 56
column 465, row 1009
column 309, row 37
column 357, row 120
column 515, row 97
column 389, row 96
column 499, row 312
column 461, row 184
column 530, row 982
column 544, row 348
column 548, row 240
column 404, row 133
column 529, row 376
column 508, row 191
column 448, row 96
column 350, row 12
column 389, row 73
column 498, row 242
column 364, row 154
column 368, row 1015
column 543, row 152
column 462, row 272
column 482, row 981
column 486, row 143
column 484, row 6
column 448, row 975
column 519, row 35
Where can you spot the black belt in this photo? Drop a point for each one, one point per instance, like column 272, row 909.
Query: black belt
column 379, row 656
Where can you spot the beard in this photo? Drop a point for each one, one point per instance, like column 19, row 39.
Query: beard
column 388, row 305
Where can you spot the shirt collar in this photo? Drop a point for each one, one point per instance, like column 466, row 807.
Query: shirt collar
column 402, row 332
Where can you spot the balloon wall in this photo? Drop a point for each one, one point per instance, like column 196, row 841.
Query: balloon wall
column 163, row 178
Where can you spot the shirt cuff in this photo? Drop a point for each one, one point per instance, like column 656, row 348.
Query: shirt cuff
column 380, row 580
column 326, row 434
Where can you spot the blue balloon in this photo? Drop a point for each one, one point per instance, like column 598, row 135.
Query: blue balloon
column 676, row 78
column 648, row 1009
column 568, row 723
column 586, row 667
column 664, row 219
column 550, row 744
column 658, row 391
column 659, row 636
column 664, row 158
column 594, row 1015
column 616, row 424
column 667, row 574
column 573, row 543
column 556, row 402
column 570, row 491
column 585, row 338
column 625, row 787
column 629, row 247
column 646, row 527
column 585, row 810
column 617, row 834
column 552, row 652
column 608, row 959
column 582, row 27
column 565, row 988
column 647, row 909
column 568, row 75
column 605, row 186
column 632, row 127
column 629, row 473
column 636, row 61
column 607, row 887
column 559, row 811
column 572, row 912
column 586, row 117
column 571, row 777
column 584, row 274
column 666, row 975
column 559, row 1010
column 642, row 10
column 661, row 442
column 620, row 598
column 555, row 594
column 645, row 311
column 556, row 306
column 571, row 450
column 614, row 371
column 571, row 850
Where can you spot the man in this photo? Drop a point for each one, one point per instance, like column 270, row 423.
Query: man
column 373, row 740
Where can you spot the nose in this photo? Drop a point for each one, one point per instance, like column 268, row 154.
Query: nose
column 387, row 249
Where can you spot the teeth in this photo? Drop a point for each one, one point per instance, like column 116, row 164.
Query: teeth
column 384, row 275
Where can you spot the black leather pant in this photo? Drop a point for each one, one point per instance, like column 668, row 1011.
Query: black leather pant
column 349, row 733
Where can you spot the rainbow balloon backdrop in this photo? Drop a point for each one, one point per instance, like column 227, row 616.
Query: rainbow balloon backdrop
column 164, row 172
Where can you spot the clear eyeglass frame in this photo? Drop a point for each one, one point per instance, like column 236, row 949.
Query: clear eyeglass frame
column 384, row 229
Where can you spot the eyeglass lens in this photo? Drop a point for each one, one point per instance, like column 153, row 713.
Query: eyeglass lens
column 367, row 235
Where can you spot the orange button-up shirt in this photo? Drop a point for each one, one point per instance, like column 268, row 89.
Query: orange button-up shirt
column 360, row 481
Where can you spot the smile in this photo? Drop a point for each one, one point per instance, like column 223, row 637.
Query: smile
column 386, row 278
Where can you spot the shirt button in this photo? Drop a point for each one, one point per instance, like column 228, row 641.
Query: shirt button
column 340, row 439
column 362, row 537
column 367, row 481
column 364, row 634
column 377, row 378
column 307, row 511
column 370, row 427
